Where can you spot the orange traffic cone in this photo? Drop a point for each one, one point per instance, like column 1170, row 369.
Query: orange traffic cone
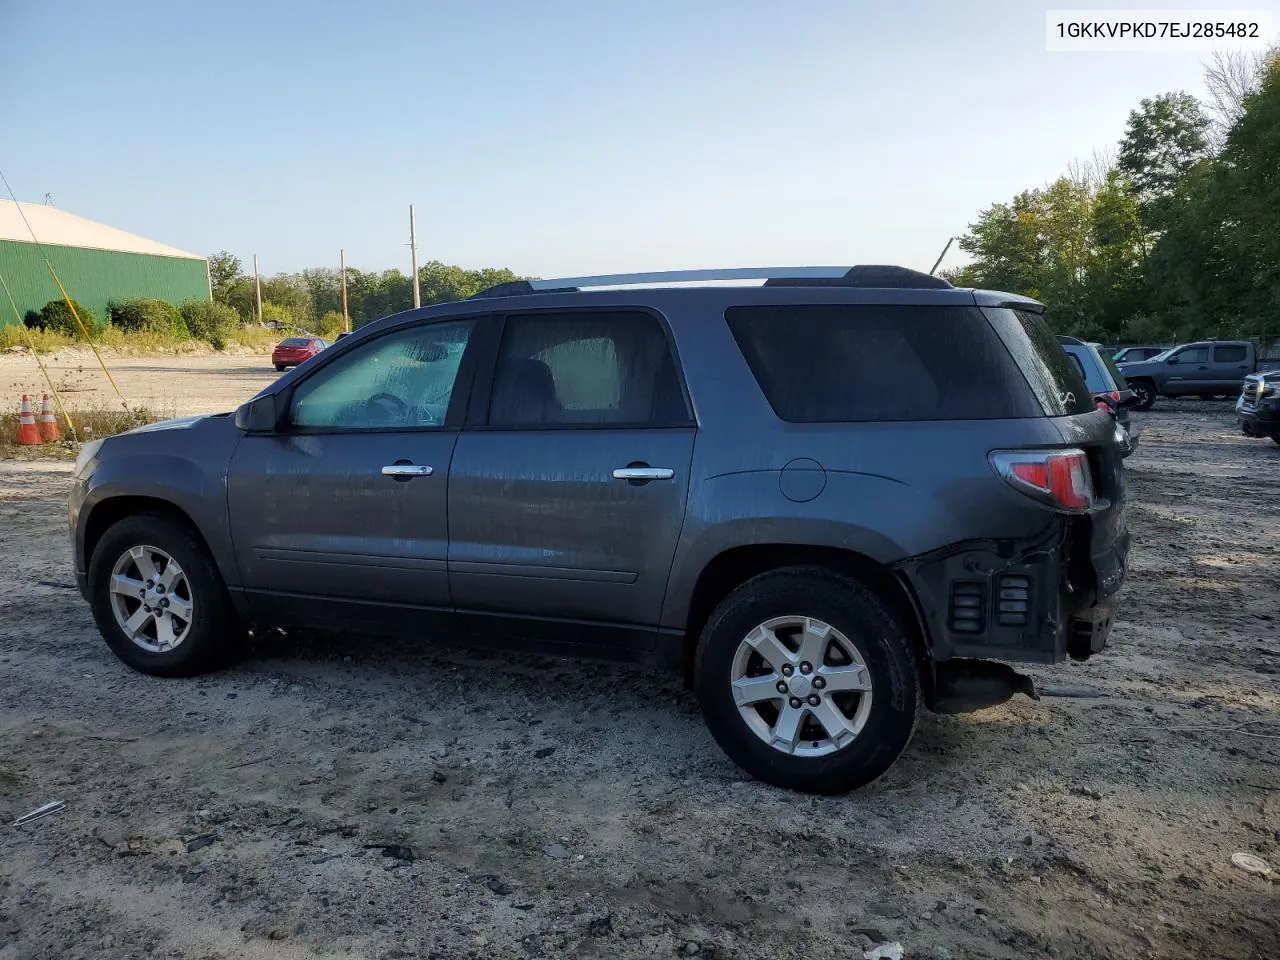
column 49, row 431
column 28, row 432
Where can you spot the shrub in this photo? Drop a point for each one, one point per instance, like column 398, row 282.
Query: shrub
column 206, row 320
column 56, row 317
column 144, row 315
column 331, row 324
column 274, row 313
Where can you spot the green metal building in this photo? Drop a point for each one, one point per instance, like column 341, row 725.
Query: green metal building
column 96, row 263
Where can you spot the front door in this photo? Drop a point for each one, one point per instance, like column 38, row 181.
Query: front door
column 1190, row 372
column 566, row 500
column 341, row 515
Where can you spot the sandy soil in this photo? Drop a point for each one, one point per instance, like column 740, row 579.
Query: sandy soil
column 169, row 386
column 347, row 797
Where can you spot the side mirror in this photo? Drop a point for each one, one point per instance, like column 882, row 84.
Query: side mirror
column 1173, row 360
column 259, row 415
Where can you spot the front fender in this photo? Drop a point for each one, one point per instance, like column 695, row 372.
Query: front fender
column 172, row 479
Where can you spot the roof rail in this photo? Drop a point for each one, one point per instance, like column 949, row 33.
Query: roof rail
column 860, row 276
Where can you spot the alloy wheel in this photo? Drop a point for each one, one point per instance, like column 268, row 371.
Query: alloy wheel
column 151, row 599
column 801, row 686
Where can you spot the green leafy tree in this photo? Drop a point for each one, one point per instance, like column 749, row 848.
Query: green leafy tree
column 1118, row 250
column 224, row 270
column 1165, row 138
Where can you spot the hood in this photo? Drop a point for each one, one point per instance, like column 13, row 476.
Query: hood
column 178, row 423
column 1138, row 368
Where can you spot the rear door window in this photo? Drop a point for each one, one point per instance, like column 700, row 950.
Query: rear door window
column 1236, row 353
column 582, row 369
column 829, row 363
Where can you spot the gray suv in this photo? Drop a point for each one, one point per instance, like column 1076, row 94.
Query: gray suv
column 833, row 500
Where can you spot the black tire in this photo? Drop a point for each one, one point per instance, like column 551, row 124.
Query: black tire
column 883, row 642
column 279, row 368
column 215, row 634
column 1275, row 437
column 1144, row 394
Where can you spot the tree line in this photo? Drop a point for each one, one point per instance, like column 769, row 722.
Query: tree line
column 1175, row 235
column 312, row 299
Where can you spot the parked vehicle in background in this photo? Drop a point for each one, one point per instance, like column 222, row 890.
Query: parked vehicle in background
column 1208, row 369
column 832, row 500
column 1107, row 384
column 295, row 350
column 1134, row 354
column 1258, row 408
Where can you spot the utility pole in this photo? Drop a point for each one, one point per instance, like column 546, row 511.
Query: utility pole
column 257, row 286
column 346, row 315
column 413, row 253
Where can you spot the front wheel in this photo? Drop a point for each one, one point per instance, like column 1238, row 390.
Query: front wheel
column 807, row 681
column 279, row 368
column 1144, row 394
column 158, row 599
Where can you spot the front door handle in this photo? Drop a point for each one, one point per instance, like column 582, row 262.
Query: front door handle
column 405, row 470
column 643, row 473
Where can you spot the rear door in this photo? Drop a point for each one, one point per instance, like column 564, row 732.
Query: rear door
column 340, row 516
column 567, row 496
column 1230, row 366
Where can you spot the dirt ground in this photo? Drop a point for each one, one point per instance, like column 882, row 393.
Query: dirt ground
column 169, row 386
column 336, row 797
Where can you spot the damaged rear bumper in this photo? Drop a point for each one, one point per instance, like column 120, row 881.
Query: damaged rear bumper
column 1039, row 600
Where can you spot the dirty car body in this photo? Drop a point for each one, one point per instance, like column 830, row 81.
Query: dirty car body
column 675, row 476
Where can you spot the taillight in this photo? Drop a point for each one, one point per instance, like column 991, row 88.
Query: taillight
column 1059, row 478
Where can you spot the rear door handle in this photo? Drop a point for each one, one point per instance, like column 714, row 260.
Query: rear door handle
column 643, row 473
column 406, row 470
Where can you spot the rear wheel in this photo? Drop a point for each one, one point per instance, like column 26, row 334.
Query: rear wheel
column 158, row 599
column 808, row 681
column 1144, row 394
column 279, row 368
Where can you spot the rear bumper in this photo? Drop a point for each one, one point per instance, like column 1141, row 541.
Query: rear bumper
column 1038, row 600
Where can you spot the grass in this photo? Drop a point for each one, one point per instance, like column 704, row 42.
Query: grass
column 137, row 343
column 89, row 425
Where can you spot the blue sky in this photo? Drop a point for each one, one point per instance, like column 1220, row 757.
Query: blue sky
column 554, row 137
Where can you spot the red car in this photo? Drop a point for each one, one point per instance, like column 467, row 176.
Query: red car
column 294, row 350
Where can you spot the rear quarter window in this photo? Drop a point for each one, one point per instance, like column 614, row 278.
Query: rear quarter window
column 1049, row 370
column 831, row 363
